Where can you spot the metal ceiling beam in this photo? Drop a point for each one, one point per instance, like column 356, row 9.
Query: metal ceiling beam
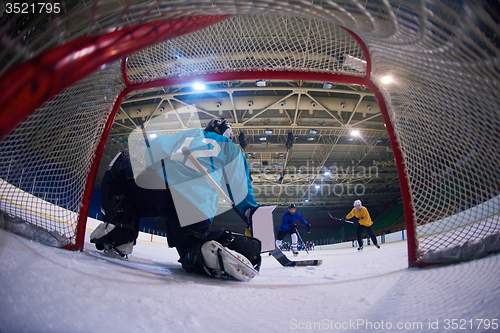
column 299, row 93
column 283, row 130
column 355, row 109
column 176, row 113
column 268, row 107
column 286, row 112
column 369, row 118
column 233, row 107
column 196, row 108
column 251, row 89
column 324, row 108
column 250, row 149
column 156, row 109
column 123, row 125
column 128, row 116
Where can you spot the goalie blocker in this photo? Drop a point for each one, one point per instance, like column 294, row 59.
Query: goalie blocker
column 217, row 253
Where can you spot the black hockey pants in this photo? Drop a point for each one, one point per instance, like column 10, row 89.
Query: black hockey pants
column 369, row 231
column 125, row 203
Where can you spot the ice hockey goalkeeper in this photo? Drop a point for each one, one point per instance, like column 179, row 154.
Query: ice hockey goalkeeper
column 167, row 186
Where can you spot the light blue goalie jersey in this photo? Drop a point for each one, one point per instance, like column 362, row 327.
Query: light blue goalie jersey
column 217, row 155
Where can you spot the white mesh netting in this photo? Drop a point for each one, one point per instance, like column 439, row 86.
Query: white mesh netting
column 44, row 162
column 444, row 103
column 252, row 42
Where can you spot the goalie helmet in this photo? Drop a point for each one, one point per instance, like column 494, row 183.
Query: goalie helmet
column 220, row 126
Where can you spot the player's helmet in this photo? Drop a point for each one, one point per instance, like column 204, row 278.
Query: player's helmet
column 357, row 203
column 220, row 126
column 291, row 206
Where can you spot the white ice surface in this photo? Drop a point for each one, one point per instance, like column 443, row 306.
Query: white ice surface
column 44, row 289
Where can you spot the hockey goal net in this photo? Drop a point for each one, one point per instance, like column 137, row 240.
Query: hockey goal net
column 64, row 75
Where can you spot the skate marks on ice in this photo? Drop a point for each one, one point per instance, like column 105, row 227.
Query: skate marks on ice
column 272, row 274
column 168, row 271
column 132, row 262
column 337, row 265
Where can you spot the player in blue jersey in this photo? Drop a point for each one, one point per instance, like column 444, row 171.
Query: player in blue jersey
column 168, row 187
column 288, row 227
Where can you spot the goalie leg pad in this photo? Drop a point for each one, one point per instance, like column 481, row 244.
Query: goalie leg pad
column 250, row 247
column 192, row 261
column 102, row 230
column 192, row 258
column 125, row 249
column 195, row 259
column 223, row 260
column 117, row 198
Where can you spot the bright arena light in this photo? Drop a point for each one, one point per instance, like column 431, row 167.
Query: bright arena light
column 354, row 133
column 386, row 79
column 199, row 86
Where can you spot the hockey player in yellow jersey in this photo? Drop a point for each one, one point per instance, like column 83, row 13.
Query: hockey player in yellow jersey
column 364, row 222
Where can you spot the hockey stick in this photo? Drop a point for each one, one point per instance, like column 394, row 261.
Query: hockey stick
column 276, row 253
column 302, row 241
column 285, row 262
column 342, row 220
column 187, row 152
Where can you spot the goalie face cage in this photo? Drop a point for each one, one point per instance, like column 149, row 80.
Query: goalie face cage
column 61, row 92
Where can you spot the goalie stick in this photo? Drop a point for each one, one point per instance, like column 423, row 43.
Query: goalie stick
column 336, row 218
column 276, row 253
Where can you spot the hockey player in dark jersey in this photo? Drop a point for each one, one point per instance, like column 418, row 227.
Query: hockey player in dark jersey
column 288, row 227
column 169, row 188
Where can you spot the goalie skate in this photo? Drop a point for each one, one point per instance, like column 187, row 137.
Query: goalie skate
column 121, row 251
column 224, row 260
column 98, row 237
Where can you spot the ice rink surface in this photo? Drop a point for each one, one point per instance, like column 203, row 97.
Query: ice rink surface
column 44, row 289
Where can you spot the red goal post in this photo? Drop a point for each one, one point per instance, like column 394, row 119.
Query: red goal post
column 437, row 201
